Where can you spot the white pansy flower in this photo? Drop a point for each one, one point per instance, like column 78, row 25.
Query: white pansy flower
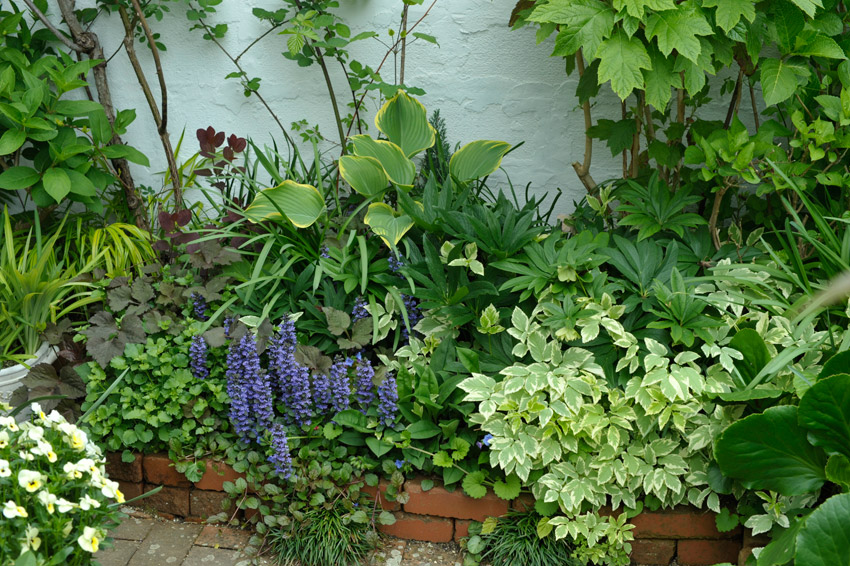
column 51, row 456
column 35, row 433
column 54, row 418
column 110, row 490
column 63, row 505
column 26, row 456
column 89, row 540
column 66, row 428
column 42, row 448
column 12, row 510
column 30, row 480
column 71, row 471
column 87, row 502
column 78, row 440
column 66, row 530
column 9, row 423
column 48, row 500
column 4, row 439
column 32, row 540
column 5, row 471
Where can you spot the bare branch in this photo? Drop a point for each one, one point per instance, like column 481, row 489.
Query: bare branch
column 49, row 25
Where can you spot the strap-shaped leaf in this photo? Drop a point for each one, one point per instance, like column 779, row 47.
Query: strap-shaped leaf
column 387, row 223
column 400, row 170
column 404, row 121
column 477, row 159
column 364, row 174
column 301, row 204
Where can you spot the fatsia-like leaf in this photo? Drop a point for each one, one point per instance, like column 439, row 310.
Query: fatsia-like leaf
column 730, row 12
column 808, row 6
column 621, row 59
column 660, row 79
column 584, row 24
column 678, row 29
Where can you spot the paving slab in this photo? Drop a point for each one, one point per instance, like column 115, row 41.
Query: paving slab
column 390, row 553
column 205, row 556
column 166, row 544
column 132, row 528
column 118, row 555
column 223, row 537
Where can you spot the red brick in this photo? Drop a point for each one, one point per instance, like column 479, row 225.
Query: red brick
column 681, row 523
column 755, row 541
column 119, row 470
column 525, row 502
column 461, row 529
column 205, row 504
column 130, row 490
column 419, row 527
column 442, row 503
column 379, row 492
column 653, row 552
column 160, row 471
column 169, row 500
column 215, row 475
column 708, row 552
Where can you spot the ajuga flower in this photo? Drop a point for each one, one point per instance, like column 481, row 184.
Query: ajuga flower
column 396, row 262
column 388, row 400
column 359, row 311
column 198, row 358
column 199, row 305
column 414, row 314
column 281, row 459
column 321, row 392
column 228, row 321
column 290, row 379
column 248, row 386
column 365, row 386
column 340, row 384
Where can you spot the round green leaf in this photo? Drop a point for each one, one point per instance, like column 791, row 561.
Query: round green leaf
column 16, row 178
column 387, row 223
column 477, row 159
column 825, row 538
column 404, row 121
column 301, row 204
column 56, row 183
column 397, row 166
column 80, row 184
column 836, row 364
column 825, row 412
column 771, row 451
column 364, row 174
column 11, row 140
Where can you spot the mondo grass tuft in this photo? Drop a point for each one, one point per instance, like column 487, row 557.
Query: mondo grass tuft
column 514, row 542
column 324, row 537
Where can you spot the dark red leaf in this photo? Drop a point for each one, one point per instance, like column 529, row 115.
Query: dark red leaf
column 166, row 221
column 183, row 217
column 219, row 139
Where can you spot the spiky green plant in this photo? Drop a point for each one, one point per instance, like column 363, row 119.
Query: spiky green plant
column 323, row 537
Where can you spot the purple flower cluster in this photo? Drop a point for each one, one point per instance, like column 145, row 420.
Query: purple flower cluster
column 251, row 409
column 291, row 380
column 199, row 305
column 359, row 311
column 325, row 252
column 388, row 400
column 321, row 393
column 228, row 321
column 281, row 459
column 414, row 313
column 396, row 262
column 365, row 385
column 340, row 384
column 198, row 358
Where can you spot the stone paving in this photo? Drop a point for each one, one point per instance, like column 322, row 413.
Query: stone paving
column 144, row 540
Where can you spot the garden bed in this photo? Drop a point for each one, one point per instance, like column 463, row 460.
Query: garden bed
column 686, row 534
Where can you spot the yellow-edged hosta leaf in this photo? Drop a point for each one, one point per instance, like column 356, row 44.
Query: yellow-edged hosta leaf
column 397, row 166
column 390, row 225
column 364, row 174
column 477, row 159
column 301, row 204
column 404, row 121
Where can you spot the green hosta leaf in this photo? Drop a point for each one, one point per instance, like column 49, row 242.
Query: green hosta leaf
column 838, row 470
column 808, row 6
column 16, row 178
column 301, row 204
column 778, row 81
column 824, row 540
column 730, row 12
column 678, row 29
column 387, row 223
column 472, row 485
column 508, row 489
column 399, row 169
column 364, row 174
column 584, row 24
column 56, row 183
column 825, row 412
column 621, row 61
column 477, row 159
column 771, row 451
column 822, row 46
column 404, row 121
column 11, row 141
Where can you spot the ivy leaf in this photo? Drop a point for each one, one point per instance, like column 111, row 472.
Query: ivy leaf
column 778, row 81
column 508, row 489
column 678, row 29
column 620, row 61
column 472, row 485
column 584, row 24
column 730, row 12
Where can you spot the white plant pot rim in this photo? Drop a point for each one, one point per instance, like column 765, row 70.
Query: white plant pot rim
column 10, row 377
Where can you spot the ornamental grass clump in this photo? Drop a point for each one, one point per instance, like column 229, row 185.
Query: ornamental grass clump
column 56, row 500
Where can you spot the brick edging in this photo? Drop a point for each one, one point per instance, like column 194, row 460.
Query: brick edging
column 686, row 534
